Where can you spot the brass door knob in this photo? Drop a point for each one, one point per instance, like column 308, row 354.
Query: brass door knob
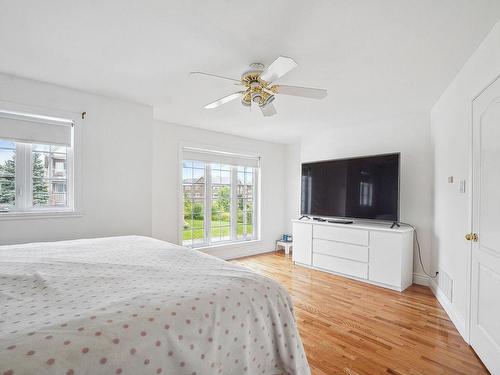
column 471, row 237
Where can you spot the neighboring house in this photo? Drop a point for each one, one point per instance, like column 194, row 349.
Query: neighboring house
column 195, row 188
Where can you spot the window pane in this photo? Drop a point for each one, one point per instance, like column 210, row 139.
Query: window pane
column 245, row 194
column 239, row 212
column 193, row 191
column 198, row 174
column 41, row 194
column 7, row 191
column 58, row 149
column 249, row 217
column 216, row 176
column 249, row 230
column 225, row 177
column 7, row 163
column 248, row 178
column 197, row 213
column 221, row 212
column 241, row 178
column 198, row 164
column 215, row 234
column 187, row 175
column 49, row 172
column 41, row 148
column 59, row 168
column 225, row 233
column 193, row 179
column 7, row 173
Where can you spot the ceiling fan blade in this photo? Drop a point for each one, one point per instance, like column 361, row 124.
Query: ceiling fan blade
column 278, row 68
column 224, row 100
column 216, row 76
column 268, row 110
column 306, row 92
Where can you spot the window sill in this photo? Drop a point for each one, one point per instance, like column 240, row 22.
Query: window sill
column 226, row 244
column 42, row 214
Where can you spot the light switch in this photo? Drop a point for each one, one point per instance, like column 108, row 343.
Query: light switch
column 450, row 179
column 462, row 186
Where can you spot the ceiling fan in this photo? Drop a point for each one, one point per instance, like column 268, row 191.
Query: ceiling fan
column 259, row 88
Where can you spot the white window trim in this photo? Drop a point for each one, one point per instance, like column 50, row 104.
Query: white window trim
column 256, row 201
column 24, row 211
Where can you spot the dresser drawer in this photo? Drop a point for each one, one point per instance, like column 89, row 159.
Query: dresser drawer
column 340, row 249
column 352, row 236
column 344, row 266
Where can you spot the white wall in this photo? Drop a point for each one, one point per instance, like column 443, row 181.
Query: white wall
column 408, row 134
column 451, row 129
column 116, row 165
column 292, row 186
column 120, row 194
column 167, row 139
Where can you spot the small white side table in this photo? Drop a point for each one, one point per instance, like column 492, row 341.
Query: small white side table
column 285, row 245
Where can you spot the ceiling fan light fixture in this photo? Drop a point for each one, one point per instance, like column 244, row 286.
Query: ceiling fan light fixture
column 269, row 100
column 256, row 98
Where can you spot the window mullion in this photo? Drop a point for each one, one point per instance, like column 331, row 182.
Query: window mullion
column 21, row 179
column 234, row 203
column 208, row 204
column 19, row 176
column 255, row 203
column 28, row 195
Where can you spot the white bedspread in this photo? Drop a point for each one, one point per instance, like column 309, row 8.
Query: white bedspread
column 135, row 305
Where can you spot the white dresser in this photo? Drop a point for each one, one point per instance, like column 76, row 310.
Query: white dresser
column 365, row 251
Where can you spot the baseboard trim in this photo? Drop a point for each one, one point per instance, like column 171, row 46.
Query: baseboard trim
column 420, row 279
column 455, row 318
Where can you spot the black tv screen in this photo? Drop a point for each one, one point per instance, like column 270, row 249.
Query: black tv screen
column 364, row 188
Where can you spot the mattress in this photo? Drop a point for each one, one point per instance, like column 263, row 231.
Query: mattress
column 136, row 305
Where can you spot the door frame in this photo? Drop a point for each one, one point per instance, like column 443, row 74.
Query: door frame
column 470, row 218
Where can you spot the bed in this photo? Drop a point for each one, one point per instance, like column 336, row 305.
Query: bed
column 136, row 305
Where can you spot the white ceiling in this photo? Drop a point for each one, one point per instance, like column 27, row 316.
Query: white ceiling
column 377, row 58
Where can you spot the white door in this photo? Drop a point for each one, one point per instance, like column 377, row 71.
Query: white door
column 485, row 281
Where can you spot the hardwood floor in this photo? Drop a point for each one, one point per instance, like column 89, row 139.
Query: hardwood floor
column 352, row 328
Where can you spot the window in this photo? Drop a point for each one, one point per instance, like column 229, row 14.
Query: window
column 219, row 199
column 36, row 163
column 366, row 194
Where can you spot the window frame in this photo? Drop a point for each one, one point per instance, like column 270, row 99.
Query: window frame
column 23, row 207
column 233, row 240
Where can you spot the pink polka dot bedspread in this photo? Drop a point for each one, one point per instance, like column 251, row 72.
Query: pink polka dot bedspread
column 136, row 305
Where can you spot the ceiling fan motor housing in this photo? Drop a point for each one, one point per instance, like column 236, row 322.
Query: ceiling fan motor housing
column 254, row 88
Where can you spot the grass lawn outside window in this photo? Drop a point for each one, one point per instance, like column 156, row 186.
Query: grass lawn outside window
column 198, row 233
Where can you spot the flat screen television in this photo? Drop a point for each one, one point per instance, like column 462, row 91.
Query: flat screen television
column 362, row 188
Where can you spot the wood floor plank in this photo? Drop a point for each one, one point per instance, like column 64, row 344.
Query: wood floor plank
column 353, row 328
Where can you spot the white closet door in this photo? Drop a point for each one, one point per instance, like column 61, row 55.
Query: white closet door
column 485, row 272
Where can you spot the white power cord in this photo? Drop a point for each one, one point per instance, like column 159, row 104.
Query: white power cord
column 419, row 252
